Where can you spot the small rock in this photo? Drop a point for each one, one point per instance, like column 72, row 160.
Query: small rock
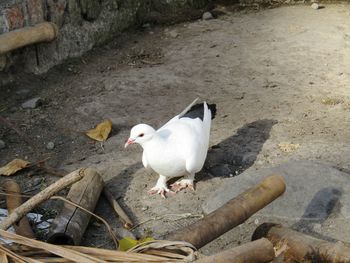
column 207, row 16
column 173, row 34
column 32, row 103
column 2, row 144
column 145, row 208
column 50, row 145
column 315, row 6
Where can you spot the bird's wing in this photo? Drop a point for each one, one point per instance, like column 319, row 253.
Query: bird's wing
column 181, row 114
column 145, row 163
column 144, row 160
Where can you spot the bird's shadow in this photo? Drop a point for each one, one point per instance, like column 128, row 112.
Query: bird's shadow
column 324, row 204
column 238, row 152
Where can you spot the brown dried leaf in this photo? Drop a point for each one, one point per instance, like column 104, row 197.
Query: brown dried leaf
column 101, row 131
column 13, row 166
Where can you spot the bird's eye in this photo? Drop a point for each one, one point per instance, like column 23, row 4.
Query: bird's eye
column 141, row 134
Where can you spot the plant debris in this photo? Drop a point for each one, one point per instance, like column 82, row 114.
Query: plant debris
column 288, row 147
column 13, row 167
column 101, row 131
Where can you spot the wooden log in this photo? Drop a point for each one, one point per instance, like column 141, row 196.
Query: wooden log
column 259, row 251
column 14, row 200
column 232, row 214
column 70, row 224
column 44, row 195
column 128, row 224
column 301, row 247
column 43, row 32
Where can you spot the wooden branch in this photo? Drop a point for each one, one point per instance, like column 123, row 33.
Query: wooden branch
column 301, row 247
column 259, row 251
column 43, row 32
column 128, row 224
column 70, row 224
column 44, row 195
column 13, row 201
column 232, row 214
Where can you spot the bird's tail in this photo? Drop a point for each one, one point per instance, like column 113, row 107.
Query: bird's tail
column 209, row 114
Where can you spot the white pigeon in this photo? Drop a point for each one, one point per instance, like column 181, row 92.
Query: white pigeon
column 177, row 148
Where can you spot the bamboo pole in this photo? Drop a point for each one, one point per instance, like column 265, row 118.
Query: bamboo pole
column 301, row 247
column 258, row 251
column 42, row 196
column 70, row 224
column 232, row 214
column 43, row 32
column 14, row 200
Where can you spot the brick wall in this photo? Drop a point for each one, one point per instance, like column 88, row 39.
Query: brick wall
column 82, row 25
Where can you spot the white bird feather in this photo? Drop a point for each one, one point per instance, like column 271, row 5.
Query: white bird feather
column 178, row 148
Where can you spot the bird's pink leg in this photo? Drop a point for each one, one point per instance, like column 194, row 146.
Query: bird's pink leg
column 187, row 182
column 160, row 187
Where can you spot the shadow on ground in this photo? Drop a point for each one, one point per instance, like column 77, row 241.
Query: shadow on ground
column 322, row 206
column 238, row 152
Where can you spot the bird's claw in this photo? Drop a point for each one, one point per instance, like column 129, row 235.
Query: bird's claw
column 182, row 184
column 160, row 190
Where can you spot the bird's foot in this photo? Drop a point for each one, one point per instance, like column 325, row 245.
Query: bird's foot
column 182, row 184
column 162, row 190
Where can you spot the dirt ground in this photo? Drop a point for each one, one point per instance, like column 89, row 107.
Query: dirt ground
column 277, row 75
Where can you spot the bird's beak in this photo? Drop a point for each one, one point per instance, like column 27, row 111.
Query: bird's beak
column 129, row 141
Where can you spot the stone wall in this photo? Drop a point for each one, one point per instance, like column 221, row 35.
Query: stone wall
column 82, row 25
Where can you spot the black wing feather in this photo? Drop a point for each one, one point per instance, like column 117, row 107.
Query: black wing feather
column 197, row 111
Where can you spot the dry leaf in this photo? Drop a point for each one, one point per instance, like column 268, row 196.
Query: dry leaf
column 101, row 131
column 331, row 101
column 13, row 166
column 288, row 147
column 127, row 242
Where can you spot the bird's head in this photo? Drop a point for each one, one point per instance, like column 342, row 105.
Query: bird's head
column 140, row 134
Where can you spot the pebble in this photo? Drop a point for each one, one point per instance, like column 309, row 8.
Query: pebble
column 173, row 34
column 2, row 144
column 207, row 16
column 32, row 103
column 315, row 6
column 50, row 145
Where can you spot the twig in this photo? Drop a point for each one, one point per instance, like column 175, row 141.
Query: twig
column 42, row 196
column 12, row 254
column 23, row 227
column 128, row 224
column 182, row 216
